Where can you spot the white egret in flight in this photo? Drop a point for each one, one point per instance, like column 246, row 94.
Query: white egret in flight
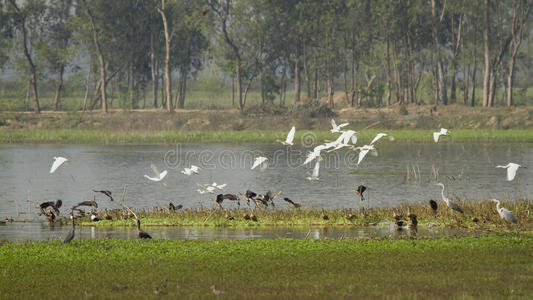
column 504, row 213
column 344, row 139
column 337, row 128
column 219, row 186
column 58, row 161
column 449, row 202
column 437, row 134
column 260, row 161
column 316, row 153
column 189, row 171
column 158, row 176
column 290, row 137
column 511, row 170
column 314, row 176
column 379, row 136
column 363, row 150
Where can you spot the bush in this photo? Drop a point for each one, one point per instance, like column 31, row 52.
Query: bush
column 403, row 110
column 312, row 110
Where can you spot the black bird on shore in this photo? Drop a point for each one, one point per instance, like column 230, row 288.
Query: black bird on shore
column 54, row 206
column 249, row 196
column 414, row 220
column 172, row 207
column 233, row 197
column 218, row 201
column 359, row 192
column 434, row 206
column 295, row 205
column 105, row 192
column 142, row 234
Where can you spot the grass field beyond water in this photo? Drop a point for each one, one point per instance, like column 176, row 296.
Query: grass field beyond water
column 495, row 266
column 95, row 136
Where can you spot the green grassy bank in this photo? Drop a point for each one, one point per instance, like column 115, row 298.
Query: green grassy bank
column 480, row 216
column 495, row 266
column 309, row 137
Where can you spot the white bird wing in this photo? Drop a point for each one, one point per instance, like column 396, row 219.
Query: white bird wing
column 443, row 131
column 151, row 178
column 378, row 136
column 290, row 136
column 343, row 125
column 258, row 160
column 362, row 154
column 155, row 170
column 347, row 135
column 310, row 157
column 186, row 171
column 316, row 169
column 221, row 186
column 163, row 174
column 354, row 139
column 436, row 136
column 194, row 169
column 58, row 161
column 511, row 171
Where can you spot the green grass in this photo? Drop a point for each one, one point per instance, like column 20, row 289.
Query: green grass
column 494, row 266
column 478, row 216
column 109, row 137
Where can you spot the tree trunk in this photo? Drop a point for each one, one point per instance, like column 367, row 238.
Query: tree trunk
column 59, row 87
column 487, row 70
column 239, row 83
column 100, row 59
column 297, row 75
column 168, row 41
column 87, row 83
column 154, row 71
column 389, row 85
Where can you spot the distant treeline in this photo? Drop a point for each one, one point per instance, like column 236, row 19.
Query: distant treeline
column 377, row 52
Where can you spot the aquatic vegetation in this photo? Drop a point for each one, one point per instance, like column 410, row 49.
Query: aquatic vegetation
column 266, row 269
column 480, row 215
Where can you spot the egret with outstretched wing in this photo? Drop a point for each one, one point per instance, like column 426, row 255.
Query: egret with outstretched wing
column 58, row 161
column 158, row 176
column 511, row 170
column 260, row 161
column 336, row 128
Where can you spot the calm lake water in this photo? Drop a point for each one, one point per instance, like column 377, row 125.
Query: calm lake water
column 467, row 170
column 19, row 231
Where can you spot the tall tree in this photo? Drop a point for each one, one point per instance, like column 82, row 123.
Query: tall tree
column 27, row 18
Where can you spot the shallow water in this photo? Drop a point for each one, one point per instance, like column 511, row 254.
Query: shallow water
column 31, row 231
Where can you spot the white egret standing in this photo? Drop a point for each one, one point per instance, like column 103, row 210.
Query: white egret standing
column 449, row 202
column 314, row 176
column 260, row 161
column 504, row 213
column 189, row 171
column 437, row 134
column 158, row 176
column 337, row 128
column 58, row 161
column 511, row 170
column 290, row 137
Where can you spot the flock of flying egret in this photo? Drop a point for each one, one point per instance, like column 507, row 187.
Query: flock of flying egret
column 346, row 139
